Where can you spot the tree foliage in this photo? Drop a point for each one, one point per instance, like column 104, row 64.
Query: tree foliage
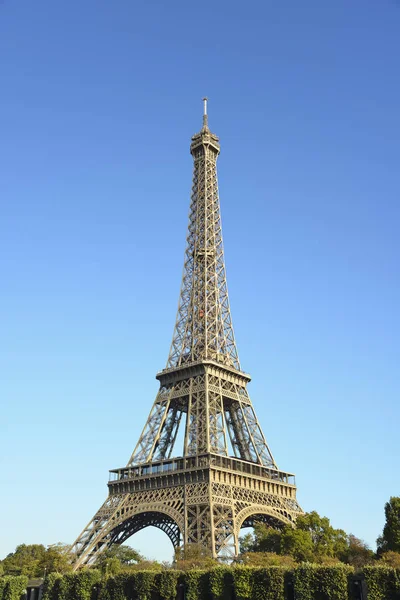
column 34, row 560
column 194, row 556
column 312, row 540
column 390, row 538
column 357, row 553
column 326, row 540
column 265, row 559
column 391, row 559
column 117, row 558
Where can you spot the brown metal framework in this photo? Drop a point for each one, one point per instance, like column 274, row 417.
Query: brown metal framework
column 225, row 476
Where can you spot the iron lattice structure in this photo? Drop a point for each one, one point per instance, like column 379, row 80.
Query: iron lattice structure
column 225, row 476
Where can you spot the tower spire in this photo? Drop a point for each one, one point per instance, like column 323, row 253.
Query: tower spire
column 205, row 115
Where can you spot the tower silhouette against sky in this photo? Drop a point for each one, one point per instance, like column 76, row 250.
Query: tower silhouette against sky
column 223, row 477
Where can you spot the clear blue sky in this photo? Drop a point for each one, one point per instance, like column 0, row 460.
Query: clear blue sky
column 98, row 103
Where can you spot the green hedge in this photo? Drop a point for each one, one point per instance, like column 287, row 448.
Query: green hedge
column 197, row 584
column 310, row 582
column 79, row 586
column 259, row 583
column 115, row 588
column 221, row 583
column 166, row 584
column 142, row 583
column 12, row 587
column 51, row 586
column 137, row 585
column 315, row 582
column 383, row 583
column 2, row 585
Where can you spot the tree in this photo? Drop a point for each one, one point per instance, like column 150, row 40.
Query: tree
column 26, row 560
column 34, row 560
column 313, row 539
column 390, row 538
column 193, row 556
column 246, row 543
column 297, row 543
column 326, row 540
column 287, row 541
column 266, row 539
column 114, row 559
column 57, row 559
column 265, row 559
column 110, row 566
column 390, row 558
column 357, row 554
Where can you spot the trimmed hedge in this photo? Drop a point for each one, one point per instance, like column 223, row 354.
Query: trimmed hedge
column 137, row 585
column 51, row 586
column 166, row 584
column 315, row 582
column 197, row 584
column 307, row 582
column 259, row 583
column 13, row 587
column 2, row 585
column 221, row 583
column 142, row 584
column 383, row 583
column 79, row 586
column 115, row 588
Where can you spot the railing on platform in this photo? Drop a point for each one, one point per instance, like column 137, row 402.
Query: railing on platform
column 197, row 462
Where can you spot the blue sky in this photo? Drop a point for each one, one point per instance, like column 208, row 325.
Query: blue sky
column 98, row 103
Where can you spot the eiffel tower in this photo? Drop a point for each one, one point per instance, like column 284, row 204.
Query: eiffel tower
column 224, row 477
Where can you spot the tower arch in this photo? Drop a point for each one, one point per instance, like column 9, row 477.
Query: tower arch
column 275, row 518
column 149, row 518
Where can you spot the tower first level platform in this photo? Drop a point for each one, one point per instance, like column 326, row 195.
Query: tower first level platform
column 204, row 499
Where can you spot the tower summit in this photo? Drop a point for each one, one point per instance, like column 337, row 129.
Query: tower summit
column 224, row 477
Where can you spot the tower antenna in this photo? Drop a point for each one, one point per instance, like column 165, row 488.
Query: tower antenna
column 205, row 116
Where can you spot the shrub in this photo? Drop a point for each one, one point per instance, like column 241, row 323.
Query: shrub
column 166, row 583
column 259, row 583
column 221, row 583
column 197, row 584
column 242, row 583
column 14, row 587
column 85, row 584
column 50, row 586
column 116, row 588
column 65, row 587
column 383, row 583
column 2, row 585
column 141, row 584
column 321, row 582
column 269, row 583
